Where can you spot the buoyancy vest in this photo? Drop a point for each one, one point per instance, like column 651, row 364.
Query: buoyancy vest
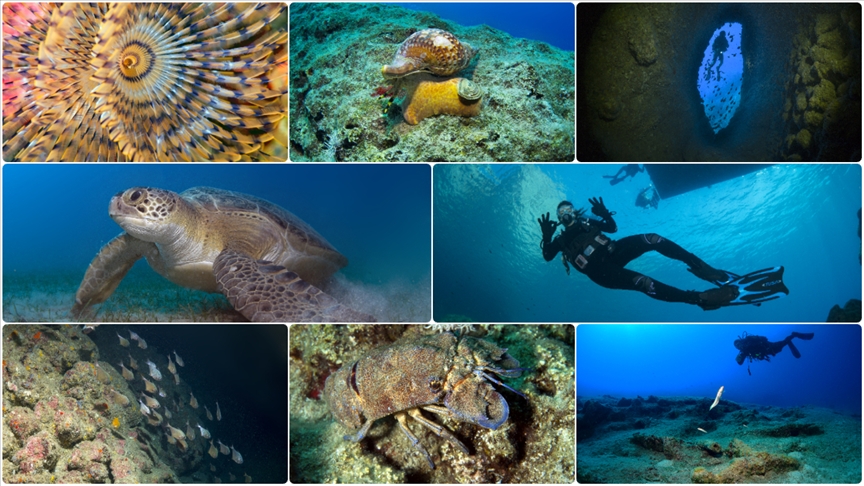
column 587, row 246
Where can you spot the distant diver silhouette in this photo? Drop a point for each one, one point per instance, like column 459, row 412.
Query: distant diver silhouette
column 759, row 348
column 629, row 170
column 719, row 47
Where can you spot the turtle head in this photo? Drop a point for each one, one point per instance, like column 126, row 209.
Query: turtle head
column 147, row 213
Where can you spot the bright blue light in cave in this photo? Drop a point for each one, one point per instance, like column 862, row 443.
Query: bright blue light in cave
column 721, row 74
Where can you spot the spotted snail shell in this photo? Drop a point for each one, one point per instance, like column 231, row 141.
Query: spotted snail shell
column 431, row 50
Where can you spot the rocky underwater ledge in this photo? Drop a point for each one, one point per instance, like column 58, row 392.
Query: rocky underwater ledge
column 679, row 440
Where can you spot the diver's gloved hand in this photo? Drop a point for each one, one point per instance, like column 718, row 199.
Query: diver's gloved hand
column 547, row 226
column 598, row 208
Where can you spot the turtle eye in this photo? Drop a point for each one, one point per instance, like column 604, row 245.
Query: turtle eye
column 135, row 196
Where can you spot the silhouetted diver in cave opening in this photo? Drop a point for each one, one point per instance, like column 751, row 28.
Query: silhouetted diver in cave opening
column 719, row 47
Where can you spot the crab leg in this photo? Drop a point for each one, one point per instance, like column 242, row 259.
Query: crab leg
column 361, row 433
column 439, row 430
column 400, row 418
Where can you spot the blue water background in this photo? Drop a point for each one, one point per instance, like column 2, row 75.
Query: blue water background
column 696, row 360
column 55, row 217
column 488, row 264
column 552, row 23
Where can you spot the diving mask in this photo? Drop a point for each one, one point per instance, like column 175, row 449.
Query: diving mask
column 566, row 215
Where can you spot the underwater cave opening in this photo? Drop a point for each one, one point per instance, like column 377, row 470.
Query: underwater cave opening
column 721, row 75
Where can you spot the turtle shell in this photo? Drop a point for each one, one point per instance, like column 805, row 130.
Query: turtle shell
column 231, row 205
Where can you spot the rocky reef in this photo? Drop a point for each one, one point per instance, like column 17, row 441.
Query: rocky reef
column 822, row 111
column 338, row 50
column 62, row 422
column 679, row 440
column 851, row 312
column 535, row 444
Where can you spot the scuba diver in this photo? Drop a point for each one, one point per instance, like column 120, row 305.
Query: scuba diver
column 719, row 47
column 758, row 347
column 648, row 197
column 583, row 245
column 629, row 170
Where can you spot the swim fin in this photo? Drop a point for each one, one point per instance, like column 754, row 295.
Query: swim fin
column 805, row 336
column 793, row 349
column 754, row 288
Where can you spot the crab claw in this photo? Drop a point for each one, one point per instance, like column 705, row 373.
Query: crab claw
column 475, row 401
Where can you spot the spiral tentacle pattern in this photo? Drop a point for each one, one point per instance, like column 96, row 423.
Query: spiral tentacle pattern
column 145, row 82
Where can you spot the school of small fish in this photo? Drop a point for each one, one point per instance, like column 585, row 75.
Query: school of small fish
column 149, row 404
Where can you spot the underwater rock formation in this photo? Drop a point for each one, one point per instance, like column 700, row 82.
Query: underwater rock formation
column 62, row 421
column 823, row 100
column 337, row 51
column 851, row 312
column 761, row 444
column 760, row 465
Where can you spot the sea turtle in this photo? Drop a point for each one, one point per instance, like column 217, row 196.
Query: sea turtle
column 267, row 261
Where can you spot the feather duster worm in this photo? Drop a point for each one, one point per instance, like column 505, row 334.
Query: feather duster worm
column 144, row 82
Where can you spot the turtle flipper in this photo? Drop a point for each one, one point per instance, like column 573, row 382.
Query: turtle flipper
column 264, row 292
column 106, row 271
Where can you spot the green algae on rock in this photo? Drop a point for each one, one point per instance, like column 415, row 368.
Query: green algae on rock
column 528, row 112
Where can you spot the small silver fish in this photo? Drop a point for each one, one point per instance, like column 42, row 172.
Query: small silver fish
column 162, row 393
column 209, row 415
column 142, row 343
column 212, row 468
column 154, row 418
column 223, row 448
column 127, row 375
column 193, row 402
column 171, row 366
column 154, row 371
column 101, row 375
column 218, row 412
column 123, row 342
column 144, row 409
column 150, row 401
column 168, row 413
column 88, row 328
column 213, row 452
column 132, row 363
column 235, row 456
column 176, row 379
column 232, row 477
column 148, row 385
column 190, row 432
column 133, row 336
column 176, row 433
column 178, row 359
column 248, row 477
column 204, row 432
column 119, row 398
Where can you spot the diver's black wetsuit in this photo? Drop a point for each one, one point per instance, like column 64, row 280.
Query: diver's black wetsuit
column 584, row 246
column 758, row 347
